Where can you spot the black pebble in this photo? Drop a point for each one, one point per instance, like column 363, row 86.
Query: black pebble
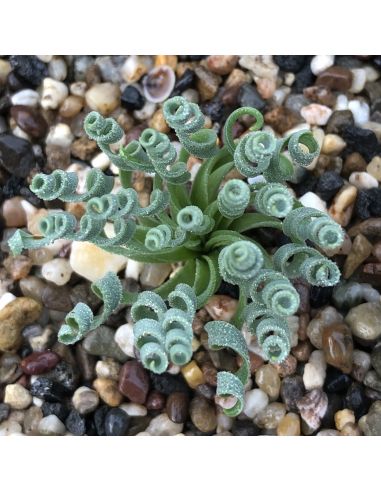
column 132, row 99
column 167, row 383
column 356, row 400
column 361, row 140
column 99, row 419
column 361, row 208
column 48, row 390
column 29, row 68
column 335, row 403
column 64, row 374
column 304, row 78
column 227, row 289
column 58, row 409
column 249, row 96
column 320, row 296
column 191, row 57
column 290, row 63
column 214, row 109
column 336, row 381
column 5, row 104
column 291, row 390
column 116, row 422
column 374, row 195
column 184, row 82
column 16, row 155
column 309, row 183
column 76, row 423
column 245, row 428
column 328, row 185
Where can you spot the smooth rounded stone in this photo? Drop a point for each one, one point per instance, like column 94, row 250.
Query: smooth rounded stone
column 324, row 317
column 25, row 97
column 224, row 423
column 32, row 418
column 365, row 321
column 287, row 367
column 319, row 63
column 51, row 426
column 372, row 381
column 39, row 362
column 333, row 144
column 10, row 369
column 53, row 94
column 154, row 274
column 13, row 318
column 16, row 155
column 328, row 185
column 312, row 407
column 177, row 407
column 375, row 358
column 60, row 135
column 71, row 106
column 310, row 199
column 134, row 409
column 75, row 423
column 363, row 180
column 338, row 346
column 17, row 396
column 221, row 64
column 85, row 400
column 155, row 401
column 28, row 68
column 10, row 428
column 343, row 417
column 108, row 391
column 360, row 111
column 221, row 307
column 270, row 416
column 132, row 98
column 162, row 425
column 336, row 78
column 29, row 120
column 342, row 205
column 291, row 390
column 57, row 69
column 116, row 422
column 315, row 371
column 91, row 262
column 13, row 213
column 104, row 97
column 57, row 271
column 101, row 342
column 248, row 96
column 256, row 400
column 358, row 81
column 356, row 400
column 361, row 364
column 316, row 114
column 134, row 382
column 56, row 408
column 108, row 368
column 351, row 429
column 360, row 251
column 336, row 381
column 374, row 167
column 203, row 414
column 289, row 425
column 5, row 299
column 328, row 433
column 124, row 337
column 100, row 161
column 5, row 69
column 370, row 424
column 268, row 380
column 193, row 375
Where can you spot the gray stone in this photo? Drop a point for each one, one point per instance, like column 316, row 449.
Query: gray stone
column 101, row 342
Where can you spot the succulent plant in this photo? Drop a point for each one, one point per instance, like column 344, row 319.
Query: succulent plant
column 203, row 224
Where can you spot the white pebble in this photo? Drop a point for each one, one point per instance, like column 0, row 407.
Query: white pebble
column 146, row 112
column 100, row 161
column 17, row 132
column 280, row 95
column 124, row 337
column 60, row 135
column 162, row 425
column 134, row 409
column 5, row 299
column 319, row 63
column 293, row 327
column 224, row 423
column 85, row 400
column 174, row 369
column 53, row 93
column 341, row 102
column 109, row 368
column 256, row 400
column 371, row 73
column 363, row 180
column 37, row 402
column 17, row 396
column 289, row 79
column 26, row 97
column 57, row 69
column 310, row 199
column 51, row 426
column 332, row 144
column 316, row 114
column 134, row 269
column 57, row 271
column 45, row 58
column 78, row 88
column 296, row 128
column 358, row 80
column 315, row 371
column 360, row 111
column 10, row 428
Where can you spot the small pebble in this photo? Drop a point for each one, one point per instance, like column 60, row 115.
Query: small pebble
column 338, row 346
column 312, row 200
column 60, row 135
column 104, row 98
column 39, row 362
column 57, row 271
column 17, row 397
column 374, row 167
column 193, row 374
column 162, row 425
column 53, row 93
column 268, row 380
column 134, row 409
column 116, row 422
column 332, row 144
column 256, row 400
column 315, row 371
column 134, row 381
column 101, row 161
column 271, row 416
column 360, row 111
column 221, row 307
column 316, row 114
column 177, row 407
column 358, row 81
column 75, row 423
column 108, row 391
column 289, row 425
column 51, row 426
column 324, row 317
column 319, row 63
column 312, row 407
column 203, row 414
column 365, row 321
column 344, row 417
column 108, row 368
column 124, row 337
column 85, row 400
column 25, row 97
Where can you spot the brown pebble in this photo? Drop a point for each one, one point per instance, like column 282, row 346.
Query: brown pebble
column 320, row 95
column 203, row 414
column 221, row 64
column 287, row 367
column 336, row 78
column 13, row 213
column 108, row 391
column 369, row 227
column 338, row 346
column 207, row 83
column 71, row 106
column 134, row 381
column 221, row 307
column 354, row 162
column 344, row 417
column 342, row 205
column 210, row 373
column 302, row 351
column 155, row 401
column 281, row 119
column 177, row 407
column 350, row 429
column 158, row 123
column 39, row 362
column 289, row 425
column 193, row 374
column 361, row 249
column 30, row 120
column 256, row 362
column 83, row 148
column 18, row 266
